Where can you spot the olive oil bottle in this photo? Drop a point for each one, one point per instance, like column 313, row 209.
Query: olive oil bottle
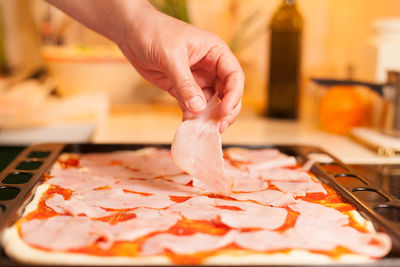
column 286, row 29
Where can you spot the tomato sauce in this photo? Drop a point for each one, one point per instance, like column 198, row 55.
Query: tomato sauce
column 117, row 217
column 70, row 162
column 135, row 192
column 229, row 208
column 43, row 212
column 178, row 199
column 290, row 221
column 189, row 227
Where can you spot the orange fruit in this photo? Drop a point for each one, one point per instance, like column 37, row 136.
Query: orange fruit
column 340, row 109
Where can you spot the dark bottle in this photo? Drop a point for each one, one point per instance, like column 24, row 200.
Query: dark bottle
column 284, row 65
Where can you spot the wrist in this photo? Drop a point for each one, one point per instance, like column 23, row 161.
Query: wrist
column 129, row 19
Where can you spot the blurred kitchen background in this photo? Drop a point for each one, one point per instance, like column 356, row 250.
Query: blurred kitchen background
column 62, row 82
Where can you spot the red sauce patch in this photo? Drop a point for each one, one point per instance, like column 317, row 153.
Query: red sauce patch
column 220, row 196
column 135, row 192
column 290, row 220
column 178, row 199
column 229, row 208
column 193, row 259
column 189, row 227
column 47, row 176
column 116, row 163
column 117, row 217
column 43, row 211
column 102, row 188
column 190, row 183
column 70, row 162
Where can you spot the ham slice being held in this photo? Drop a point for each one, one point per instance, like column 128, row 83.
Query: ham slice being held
column 197, row 150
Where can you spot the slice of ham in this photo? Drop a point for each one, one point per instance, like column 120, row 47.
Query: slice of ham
column 259, row 159
column 75, row 207
column 182, row 179
column 118, row 199
column 300, row 188
column 155, row 187
column 242, row 181
column 277, row 162
column 57, row 203
column 197, row 150
column 328, row 229
column 243, row 184
column 325, row 216
column 186, row 244
column 285, row 175
column 243, row 214
column 242, row 155
column 147, row 221
column 66, row 232
column 252, row 216
column 149, row 162
column 97, row 203
column 79, row 180
column 264, row 240
column 267, row 197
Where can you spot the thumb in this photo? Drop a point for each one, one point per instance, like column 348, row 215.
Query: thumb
column 188, row 92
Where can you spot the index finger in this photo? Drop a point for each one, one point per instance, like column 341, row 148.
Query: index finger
column 231, row 75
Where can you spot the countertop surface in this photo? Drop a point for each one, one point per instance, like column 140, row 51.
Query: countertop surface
column 151, row 124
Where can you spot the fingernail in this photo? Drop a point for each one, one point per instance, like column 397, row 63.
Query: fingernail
column 196, row 104
column 223, row 126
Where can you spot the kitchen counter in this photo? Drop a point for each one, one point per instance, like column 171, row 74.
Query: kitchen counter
column 155, row 124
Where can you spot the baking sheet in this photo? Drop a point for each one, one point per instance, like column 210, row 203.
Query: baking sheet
column 20, row 178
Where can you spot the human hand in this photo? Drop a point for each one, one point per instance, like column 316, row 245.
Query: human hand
column 189, row 63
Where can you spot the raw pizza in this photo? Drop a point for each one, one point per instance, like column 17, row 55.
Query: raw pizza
column 138, row 207
column 195, row 204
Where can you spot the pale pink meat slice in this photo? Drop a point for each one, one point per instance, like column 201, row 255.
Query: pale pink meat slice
column 98, row 203
column 149, row 162
column 197, row 150
column 245, row 184
column 320, row 213
column 147, row 221
column 196, row 208
column 264, row 240
column 328, row 229
column 300, row 188
column 80, row 180
column 250, row 156
column 242, row 181
column 182, row 178
column 244, row 215
column 267, row 197
column 186, row 244
column 118, row 199
column 285, row 175
column 256, row 160
column 57, row 203
column 75, row 207
column 277, row 162
column 155, row 187
column 66, row 232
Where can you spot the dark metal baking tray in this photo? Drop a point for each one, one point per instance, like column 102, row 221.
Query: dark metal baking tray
column 19, row 179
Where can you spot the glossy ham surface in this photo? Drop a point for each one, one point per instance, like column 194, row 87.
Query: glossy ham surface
column 197, row 149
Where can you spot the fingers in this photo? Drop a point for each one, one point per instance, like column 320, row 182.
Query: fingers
column 185, row 87
column 231, row 83
column 227, row 121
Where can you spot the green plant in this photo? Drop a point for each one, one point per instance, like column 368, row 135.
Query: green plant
column 174, row 8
